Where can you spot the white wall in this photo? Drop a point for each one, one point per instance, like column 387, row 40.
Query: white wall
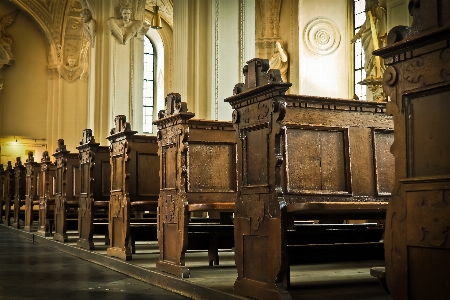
column 325, row 48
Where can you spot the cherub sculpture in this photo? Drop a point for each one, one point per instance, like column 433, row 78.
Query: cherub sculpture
column 124, row 28
column 69, row 71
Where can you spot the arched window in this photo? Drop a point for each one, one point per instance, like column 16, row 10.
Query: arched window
column 149, row 86
column 359, row 17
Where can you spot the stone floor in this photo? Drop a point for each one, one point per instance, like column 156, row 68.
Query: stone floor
column 62, row 276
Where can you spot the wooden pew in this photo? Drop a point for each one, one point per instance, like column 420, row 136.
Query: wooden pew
column 197, row 174
column 2, row 183
column 31, row 193
column 417, row 80
column 8, row 192
column 46, row 192
column 134, row 183
column 95, row 179
column 19, row 193
column 67, row 190
column 300, row 157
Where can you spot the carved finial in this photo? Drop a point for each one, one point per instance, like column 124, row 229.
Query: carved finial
column 174, row 105
column 61, row 146
column 18, row 162
column 9, row 165
column 45, row 157
column 30, row 156
column 87, row 137
column 121, row 125
column 256, row 74
column 1, row 168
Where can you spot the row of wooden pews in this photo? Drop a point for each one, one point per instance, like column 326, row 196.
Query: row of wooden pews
column 282, row 160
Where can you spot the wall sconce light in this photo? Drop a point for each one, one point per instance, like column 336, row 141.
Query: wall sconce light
column 156, row 21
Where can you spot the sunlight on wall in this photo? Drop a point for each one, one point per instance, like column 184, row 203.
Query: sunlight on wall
column 15, row 146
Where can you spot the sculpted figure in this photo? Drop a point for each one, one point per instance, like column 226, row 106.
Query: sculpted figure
column 279, row 60
column 90, row 26
column 69, row 71
column 124, row 28
column 6, row 39
column 373, row 36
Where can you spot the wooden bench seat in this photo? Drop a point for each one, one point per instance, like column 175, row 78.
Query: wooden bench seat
column 31, row 194
column 198, row 174
column 45, row 190
column 300, row 157
column 134, row 184
column 67, row 190
column 19, row 193
column 95, row 188
column 8, row 193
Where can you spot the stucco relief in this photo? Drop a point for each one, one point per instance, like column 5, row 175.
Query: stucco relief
column 322, row 36
column 6, row 39
column 124, row 28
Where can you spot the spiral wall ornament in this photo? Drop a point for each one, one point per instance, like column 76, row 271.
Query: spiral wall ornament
column 322, row 36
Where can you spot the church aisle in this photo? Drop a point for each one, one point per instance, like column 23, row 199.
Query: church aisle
column 32, row 271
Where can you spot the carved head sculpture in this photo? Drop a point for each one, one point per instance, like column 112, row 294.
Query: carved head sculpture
column 1, row 168
column 18, row 162
column 71, row 60
column 279, row 45
column 9, row 166
column 30, row 156
column 86, row 15
column 125, row 13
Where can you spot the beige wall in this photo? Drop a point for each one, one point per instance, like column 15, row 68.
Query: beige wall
column 23, row 101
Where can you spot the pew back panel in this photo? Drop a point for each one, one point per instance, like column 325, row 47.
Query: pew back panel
column 198, row 173
column 19, row 192
column 95, row 187
column 299, row 157
column 46, row 191
column 67, row 189
column 32, row 196
column 134, row 182
column 417, row 247
column 8, row 192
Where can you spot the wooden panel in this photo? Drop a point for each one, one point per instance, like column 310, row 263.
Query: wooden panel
column 169, row 167
column 211, row 167
column 384, row 161
column 147, row 171
column 428, row 218
column 85, row 178
column 428, row 135
column 361, row 161
column 256, row 158
column 256, row 269
column 59, row 180
column 106, row 178
column 171, row 253
column 76, row 177
column 316, row 161
column 117, row 177
column 432, row 264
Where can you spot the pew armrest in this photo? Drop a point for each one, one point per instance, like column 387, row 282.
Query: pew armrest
column 101, row 204
column 347, row 209
column 214, row 206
